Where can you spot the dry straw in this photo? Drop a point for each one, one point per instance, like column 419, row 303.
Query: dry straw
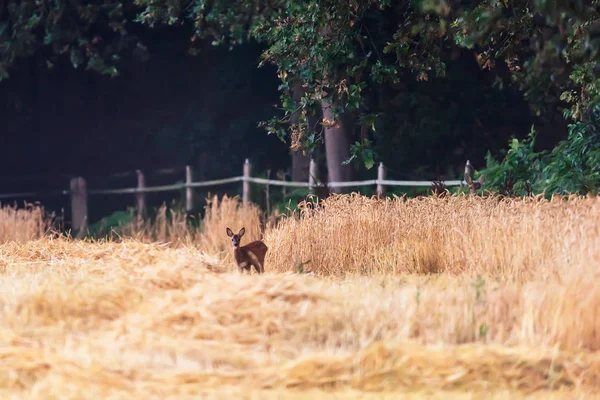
column 23, row 224
column 128, row 319
column 82, row 319
column 172, row 226
column 511, row 239
column 228, row 213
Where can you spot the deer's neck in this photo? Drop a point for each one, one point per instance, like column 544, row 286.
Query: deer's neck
column 238, row 253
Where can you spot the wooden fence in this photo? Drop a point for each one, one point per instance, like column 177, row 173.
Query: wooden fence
column 79, row 192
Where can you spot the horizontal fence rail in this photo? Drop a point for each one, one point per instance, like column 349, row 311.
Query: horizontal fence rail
column 218, row 182
column 273, row 182
column 166, row 188
column 35, row 194
column 79, row 192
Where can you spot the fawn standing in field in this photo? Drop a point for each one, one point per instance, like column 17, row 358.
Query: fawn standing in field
column 473, row 185
column 252, row 254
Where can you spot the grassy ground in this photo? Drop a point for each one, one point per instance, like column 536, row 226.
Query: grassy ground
column 457, row 298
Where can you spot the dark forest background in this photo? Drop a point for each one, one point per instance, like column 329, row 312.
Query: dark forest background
column 167, row 108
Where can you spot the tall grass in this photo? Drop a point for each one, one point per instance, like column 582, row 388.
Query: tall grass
column 462, row 293
column 128, row 320
column 23, row 224
column 511, row 239
column 228, row 213
column 174, row 227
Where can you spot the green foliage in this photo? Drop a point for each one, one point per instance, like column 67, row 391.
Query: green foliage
column 347, row 53
column 89, row 34
column 343, row 53
column 112, row 224
column 573, row 166
column 518, row 171
column 363, row 152
column 300, row 266
column 339, row 51
column 551, row 49
column 551, row 45
column 286, row 204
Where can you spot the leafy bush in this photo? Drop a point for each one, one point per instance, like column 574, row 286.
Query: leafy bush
column 573, row 166
column 516, row 174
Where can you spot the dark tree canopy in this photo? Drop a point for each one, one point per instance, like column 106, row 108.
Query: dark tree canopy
column 335, row 58
column 90, row 34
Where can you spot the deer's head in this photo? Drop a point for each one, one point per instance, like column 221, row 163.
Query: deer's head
column 235, row 239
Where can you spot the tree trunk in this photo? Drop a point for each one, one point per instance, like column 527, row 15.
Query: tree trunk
column 300, row 167
column 337, row 148
column 300, row 162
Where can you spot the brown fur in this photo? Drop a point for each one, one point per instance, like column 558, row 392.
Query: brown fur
column 252, row 254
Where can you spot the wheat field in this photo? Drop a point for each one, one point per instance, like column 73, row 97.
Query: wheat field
column 459, row 297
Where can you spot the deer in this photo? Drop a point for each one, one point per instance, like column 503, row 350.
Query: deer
column 252, row 254
column 473, row 185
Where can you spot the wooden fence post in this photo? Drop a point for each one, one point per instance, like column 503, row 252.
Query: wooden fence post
column 380, row 177
column 312, row 176
column 189, row 191
column 268, row 193
column 282, row 177
column 79, row 210
column 140, row 195
column 246, row 183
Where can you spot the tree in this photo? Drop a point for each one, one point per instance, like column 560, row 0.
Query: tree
column 339, row 59
column 282, row 25
column 552, row 50
column 339, row 52
column 90, row 34
column 343, row 54
column 549, row 46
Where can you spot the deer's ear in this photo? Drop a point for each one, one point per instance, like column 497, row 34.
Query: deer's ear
column 482, row 179
column 242, row 231
column 229, row 232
